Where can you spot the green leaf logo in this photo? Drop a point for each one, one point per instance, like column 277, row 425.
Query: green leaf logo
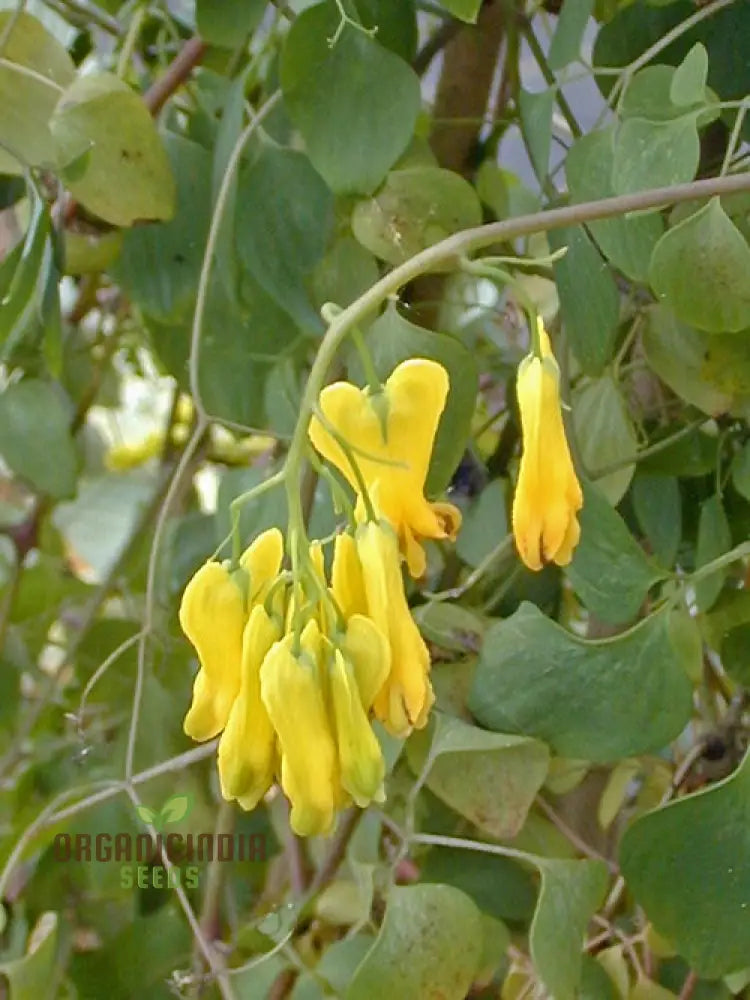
column 146, row 814
column 175, row 809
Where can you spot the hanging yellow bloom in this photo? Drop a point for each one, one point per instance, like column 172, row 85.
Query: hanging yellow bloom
column 396, row 431
column 213, row 612
column 360, row 757
column 374, row 577
column 548, row 494
column 293, row 691
column 212, row 616
column 247, row 748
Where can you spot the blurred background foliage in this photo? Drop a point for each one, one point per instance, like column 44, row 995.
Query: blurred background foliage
column 527, row 848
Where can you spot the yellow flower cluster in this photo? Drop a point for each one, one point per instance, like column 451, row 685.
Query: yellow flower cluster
column 295, row 666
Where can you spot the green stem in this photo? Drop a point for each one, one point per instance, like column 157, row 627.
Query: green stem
column 738, row 552
column 128, row 46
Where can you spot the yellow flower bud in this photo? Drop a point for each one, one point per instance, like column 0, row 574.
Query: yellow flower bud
column 347, row 584
column 548, row 494
column 392, row 435
column 212, row 616
column 405, row 699
column 247, row 746
column 360, row 757
column 262, row 562
column 122, row 457
column 367, row 649
column 293, row 692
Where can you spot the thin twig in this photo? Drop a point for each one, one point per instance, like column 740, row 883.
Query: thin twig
column 176, row 73
column 688, row 987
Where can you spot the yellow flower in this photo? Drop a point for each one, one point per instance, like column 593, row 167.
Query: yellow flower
column 360, row 757
column 404, row 700
column 293, row 692
column 122, row 457
column 213, row 613
column 247, row 748
column 396, row 430
column 548, row 494
column 212, row 616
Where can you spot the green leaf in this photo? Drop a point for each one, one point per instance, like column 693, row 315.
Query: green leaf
column 415, row 208
column 280, row 240
column 741, row 471
column 677, row 354
column 34, row 430
column 160, row 264
column 241, row 343
column 595, row 983
column 430, row 945
column 536, row 126
column 325, row 89
column 714, row 539
column 627, row 241
column 395, row 21
column 33, row 976
column 393, row 339
column 485, row 523
column 228, row 24
column 112, row 159
column 175, row 808
column 657, row 503
column 345, row 273
column 34, row 71
column 689, row 80
column 701, row 269
column 703, row 915
column 570, row 894
column 594, row 700
column 489, row 778
column 589, row 300
column 687, row 642
column 466, row 10
column 605, row 435
column 566, row 41
column 24, row 275
column 498, row 886
column 651, row 154
column 609, row 571
column 649, row 95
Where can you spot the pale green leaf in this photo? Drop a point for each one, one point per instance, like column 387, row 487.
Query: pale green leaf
column 415, row 208
column 689, row 80
column 701, row 269
column 34, row 70
column 651, row 154
column 430, row 945
column 489, row 778
column 110, row 153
